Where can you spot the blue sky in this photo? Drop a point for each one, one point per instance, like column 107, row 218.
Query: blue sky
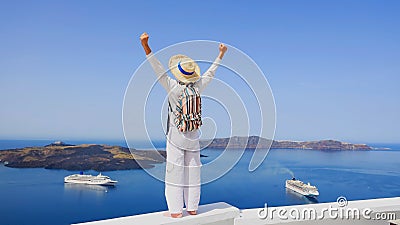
column 333, row 66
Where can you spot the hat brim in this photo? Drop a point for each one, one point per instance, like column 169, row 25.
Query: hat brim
column 173, row 67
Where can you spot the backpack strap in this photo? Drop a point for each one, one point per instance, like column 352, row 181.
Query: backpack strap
column 169, row 109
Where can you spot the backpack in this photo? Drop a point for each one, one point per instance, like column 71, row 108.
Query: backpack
column 188, row 110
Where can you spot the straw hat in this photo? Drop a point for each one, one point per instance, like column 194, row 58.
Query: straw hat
column 184, row 68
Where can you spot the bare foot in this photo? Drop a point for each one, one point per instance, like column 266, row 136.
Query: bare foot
column 194, row 212
column 173, row 215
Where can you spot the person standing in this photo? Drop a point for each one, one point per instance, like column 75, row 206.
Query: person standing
column 182, row 176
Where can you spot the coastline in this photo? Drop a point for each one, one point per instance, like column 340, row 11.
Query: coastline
column 103, row 157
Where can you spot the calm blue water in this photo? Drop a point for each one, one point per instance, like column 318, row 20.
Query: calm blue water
column 39, row 196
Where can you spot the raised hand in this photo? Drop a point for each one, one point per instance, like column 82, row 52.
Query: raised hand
column 222, row 50
column 144, row 38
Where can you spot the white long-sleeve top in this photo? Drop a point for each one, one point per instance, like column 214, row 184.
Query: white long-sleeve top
column 185, row 140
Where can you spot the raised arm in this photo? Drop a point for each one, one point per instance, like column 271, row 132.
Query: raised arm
column 210, row 73
column 144, row 39
column 162, row 76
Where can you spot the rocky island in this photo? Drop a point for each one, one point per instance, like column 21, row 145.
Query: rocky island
column 59, row 155
column 254, row 141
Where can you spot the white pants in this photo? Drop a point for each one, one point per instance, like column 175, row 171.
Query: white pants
column 182, row 175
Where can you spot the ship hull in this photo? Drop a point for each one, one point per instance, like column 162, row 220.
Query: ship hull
column 91, row 183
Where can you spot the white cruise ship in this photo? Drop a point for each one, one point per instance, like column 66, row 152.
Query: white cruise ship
column 90, row 179
column 302, row 188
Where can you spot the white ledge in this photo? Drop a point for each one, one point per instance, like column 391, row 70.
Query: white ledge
column 224, row 214
column 216, row 213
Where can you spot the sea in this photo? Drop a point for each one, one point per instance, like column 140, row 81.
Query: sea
column 39, row 196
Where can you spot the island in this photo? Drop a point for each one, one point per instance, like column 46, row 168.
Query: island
column 98, row 157
column 253, row 142
column 101, row 157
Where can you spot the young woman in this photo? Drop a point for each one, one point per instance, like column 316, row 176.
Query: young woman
column 182, row 177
